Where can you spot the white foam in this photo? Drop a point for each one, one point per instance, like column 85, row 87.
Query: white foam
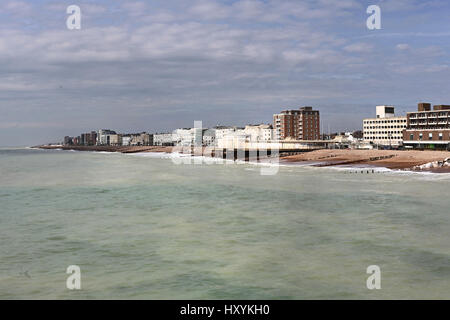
column 292, row 165
column 105, row 152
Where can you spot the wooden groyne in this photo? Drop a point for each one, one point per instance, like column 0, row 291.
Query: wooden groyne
column 338, row 163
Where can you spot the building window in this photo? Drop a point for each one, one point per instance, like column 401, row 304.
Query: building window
column 411, row 136
column 430, row 136
column 440, row 136
column 420, row 136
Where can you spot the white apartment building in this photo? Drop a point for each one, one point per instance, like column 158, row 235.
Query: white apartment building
column 188, row 137
column 230, row 137
column 163, row 139
column 114, row 140
column 262, row 132
column 236, row 139
column 139, row 139
column 209, row 137
column 222, row 131
column 126, row 140
column 105, row 136
column 386, row 129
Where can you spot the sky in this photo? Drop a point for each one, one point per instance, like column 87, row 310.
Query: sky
column 158, row 65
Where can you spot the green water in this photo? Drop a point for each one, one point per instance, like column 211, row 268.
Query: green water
column 145, row 228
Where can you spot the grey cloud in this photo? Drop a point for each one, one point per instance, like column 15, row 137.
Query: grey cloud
column 360, row 47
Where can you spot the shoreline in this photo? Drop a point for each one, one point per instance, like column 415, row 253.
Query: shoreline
column 390, row 159
column 408, row 160
column 118, row 149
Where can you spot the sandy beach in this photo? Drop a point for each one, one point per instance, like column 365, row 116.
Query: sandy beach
column 392, row 159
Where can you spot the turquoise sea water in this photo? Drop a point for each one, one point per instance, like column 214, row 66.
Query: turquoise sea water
column 141, row 227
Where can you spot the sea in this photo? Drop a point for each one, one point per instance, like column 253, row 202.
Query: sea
column 143, row 226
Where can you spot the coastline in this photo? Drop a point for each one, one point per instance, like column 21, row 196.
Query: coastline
column 119, row 149
column 409, row 160
column 390, row 159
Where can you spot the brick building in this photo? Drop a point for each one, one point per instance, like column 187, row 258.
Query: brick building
column 302, row 124
column 427, row 128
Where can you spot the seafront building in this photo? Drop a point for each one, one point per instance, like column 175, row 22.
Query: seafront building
column 261, row 132
column 425, row 128
column 301, row 124
column 114, row 140
column 227, row 131
column 88, row 139
column 85, row 139
column 163, row 139
column 231, row 138
column 137, row 139
column 105, row 136
column 126, row 139
column 428, row 128
column 68, row 141
column 209, row 137
column 386, row 129
column 188, row 137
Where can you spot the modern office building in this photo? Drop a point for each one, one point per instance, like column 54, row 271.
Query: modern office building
column 427, row 128
column 302, row 124
column 385, row 129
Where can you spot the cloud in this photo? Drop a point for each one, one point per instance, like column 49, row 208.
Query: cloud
column 16, row 7
column 410, row 5
column 93, row 9
column 402, row 46
column 210, row 10
column 438, row 68
column 30, row 125
column 134, row 8
column 359, row 47
column 190, row 40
